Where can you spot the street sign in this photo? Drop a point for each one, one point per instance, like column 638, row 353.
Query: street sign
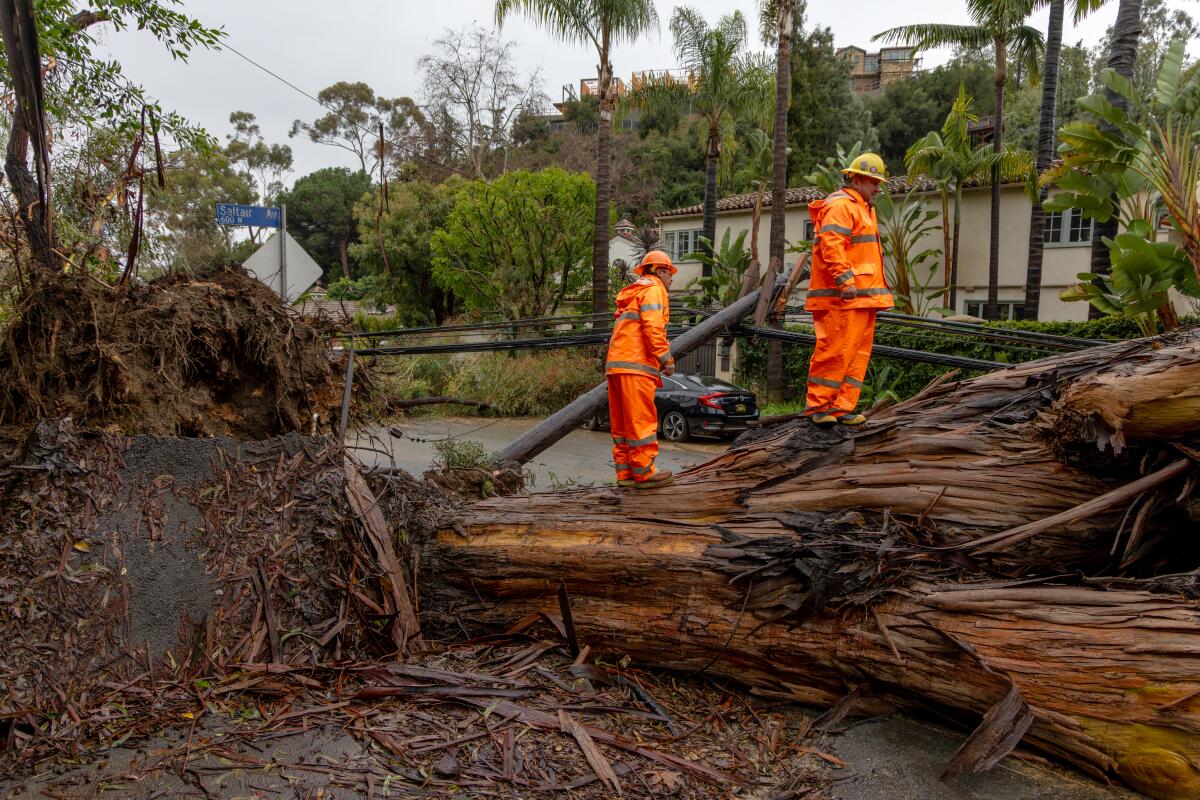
column 302, row 272
column 256, row 216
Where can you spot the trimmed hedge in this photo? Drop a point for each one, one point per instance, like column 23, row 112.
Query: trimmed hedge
column 903, row 379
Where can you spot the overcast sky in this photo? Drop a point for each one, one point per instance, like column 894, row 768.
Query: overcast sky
column 314, row 43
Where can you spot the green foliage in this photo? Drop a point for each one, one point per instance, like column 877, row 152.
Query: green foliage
column 184, row 232
column 320, row 209
column 85, row 88
column 265, row 164
column 414, row 212
column 524, row 384
column 354, row 117
column 518, row 244
column 1161, row 23
column 824, row 113
column 725, row 82
column 905, row 110
column 1142, row 273
column 727, row 266
column 461, row 454
column 365, row 289
column 903, row 224
column 1148, row 148
column 827, row 175
column 903, row 379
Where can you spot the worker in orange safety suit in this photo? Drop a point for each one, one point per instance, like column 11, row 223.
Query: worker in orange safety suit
column 638, row 355
column 847, row 289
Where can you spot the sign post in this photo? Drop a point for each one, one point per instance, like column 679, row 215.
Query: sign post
column 283, row 292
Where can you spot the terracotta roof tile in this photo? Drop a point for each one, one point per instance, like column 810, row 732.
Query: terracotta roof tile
column 807, row 194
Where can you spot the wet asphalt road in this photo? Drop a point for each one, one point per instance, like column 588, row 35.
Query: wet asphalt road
column 580, row 458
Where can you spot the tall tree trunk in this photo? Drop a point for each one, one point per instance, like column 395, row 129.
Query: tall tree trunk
column 344, row 252
column 779, row 178
column 954, row 252
column 1045, row 154
column 712, row 163
column 898, row 560
column 30, row 210
column 600, row 234
column 945, row 238
column 1121, row 57
column 992, row 310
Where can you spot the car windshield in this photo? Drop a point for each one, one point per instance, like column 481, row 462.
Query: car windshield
column 704, row 383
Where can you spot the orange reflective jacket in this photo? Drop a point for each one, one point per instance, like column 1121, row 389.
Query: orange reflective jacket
column 639, row 339
column 847, row 248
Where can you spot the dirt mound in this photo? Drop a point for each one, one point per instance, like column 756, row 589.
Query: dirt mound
column 216, row 355
column 133, row 568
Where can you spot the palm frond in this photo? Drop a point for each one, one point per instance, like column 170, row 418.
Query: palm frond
column 1028, row 48
column 928, row 36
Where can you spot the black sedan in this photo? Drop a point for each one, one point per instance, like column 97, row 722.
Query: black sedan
column 695, row 405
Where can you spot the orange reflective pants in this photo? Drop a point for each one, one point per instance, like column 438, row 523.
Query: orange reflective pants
column 633, row 420
column 839, row 361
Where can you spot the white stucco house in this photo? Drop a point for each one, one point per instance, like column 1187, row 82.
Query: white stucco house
column 1068, row 238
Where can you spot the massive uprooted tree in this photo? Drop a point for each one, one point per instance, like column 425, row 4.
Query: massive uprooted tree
column 198, row 356
column 1018, row 546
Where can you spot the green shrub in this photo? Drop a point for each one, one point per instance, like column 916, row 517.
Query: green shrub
column 527, row 384
column 902, row 379
column 461, row 454
column 514, row 384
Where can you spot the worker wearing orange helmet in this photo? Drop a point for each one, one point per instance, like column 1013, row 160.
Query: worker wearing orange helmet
column 638, row 355
column 847, row 289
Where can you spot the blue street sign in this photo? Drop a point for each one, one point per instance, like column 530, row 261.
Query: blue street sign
column 257, row 216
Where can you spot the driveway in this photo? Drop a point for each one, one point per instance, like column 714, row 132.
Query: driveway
column 580, row 458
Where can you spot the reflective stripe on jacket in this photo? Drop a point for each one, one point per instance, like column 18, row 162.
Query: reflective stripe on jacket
column 639, row 339
column 847, row 248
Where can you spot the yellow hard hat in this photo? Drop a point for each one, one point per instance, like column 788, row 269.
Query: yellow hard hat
column 656, row 259
column 868, row 164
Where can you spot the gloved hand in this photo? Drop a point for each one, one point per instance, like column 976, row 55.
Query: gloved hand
column 850, row 292
column 669, row 368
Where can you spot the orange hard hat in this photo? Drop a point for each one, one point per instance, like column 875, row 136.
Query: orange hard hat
column 656, row 259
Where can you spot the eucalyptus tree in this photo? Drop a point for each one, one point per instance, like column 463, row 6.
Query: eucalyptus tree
column 723, row 83
column 601, row 24
column 999, row 24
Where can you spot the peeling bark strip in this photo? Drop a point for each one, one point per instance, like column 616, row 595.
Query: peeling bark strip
column 809, row 564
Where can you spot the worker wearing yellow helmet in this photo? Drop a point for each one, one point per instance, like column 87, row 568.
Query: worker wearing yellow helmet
column 638, row 356
column 847, row 289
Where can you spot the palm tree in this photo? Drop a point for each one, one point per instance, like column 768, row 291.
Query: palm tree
column 723, row 83
column 999, row 24
column 603, row 24
column 1045, row 147
column 1121, row 56
column 778, row 21
column 952, row 158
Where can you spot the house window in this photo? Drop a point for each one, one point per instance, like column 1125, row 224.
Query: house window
column 1009, row 309
column 1067, row 228
column 681, row 243
column 808, row 230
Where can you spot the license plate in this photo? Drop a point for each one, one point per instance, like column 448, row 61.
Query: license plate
column 741, row 408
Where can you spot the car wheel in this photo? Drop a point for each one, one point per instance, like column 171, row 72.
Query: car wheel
column 592, row 423
column 674, row 427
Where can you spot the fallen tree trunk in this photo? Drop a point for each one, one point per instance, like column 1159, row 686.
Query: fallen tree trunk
column 811, row 564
